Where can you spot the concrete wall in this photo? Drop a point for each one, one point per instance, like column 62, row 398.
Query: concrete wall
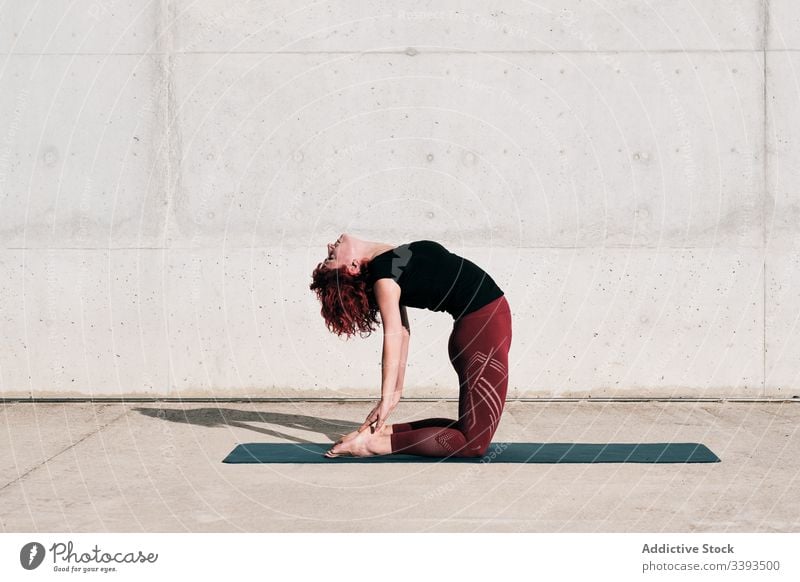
column 170, row 172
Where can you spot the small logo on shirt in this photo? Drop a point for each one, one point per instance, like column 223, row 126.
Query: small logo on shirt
column 402, row 256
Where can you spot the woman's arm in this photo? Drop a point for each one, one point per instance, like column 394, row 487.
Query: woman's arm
column 398, row 392
column 404, row 319
column 394, row 321
column 395, row 333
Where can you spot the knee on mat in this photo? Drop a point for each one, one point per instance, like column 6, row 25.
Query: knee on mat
column 474, row 450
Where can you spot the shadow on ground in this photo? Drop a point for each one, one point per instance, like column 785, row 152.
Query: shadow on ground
column 332, row 428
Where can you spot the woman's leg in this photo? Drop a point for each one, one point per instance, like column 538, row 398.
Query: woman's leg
column 388, row 429
column 424, row 423
column 478, row 350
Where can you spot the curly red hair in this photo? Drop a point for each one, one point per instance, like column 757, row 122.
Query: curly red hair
column 348, row 304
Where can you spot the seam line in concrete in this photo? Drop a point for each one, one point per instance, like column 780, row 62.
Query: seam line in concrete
column 167, row 16
column 756, row 246
column 588, row 400
column 418, row 52
column 61, row 452
column 765, row 170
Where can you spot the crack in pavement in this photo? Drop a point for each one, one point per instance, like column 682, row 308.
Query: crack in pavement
column 64, row 450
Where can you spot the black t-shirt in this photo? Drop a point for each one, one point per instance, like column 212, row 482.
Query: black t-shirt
column 431, row 277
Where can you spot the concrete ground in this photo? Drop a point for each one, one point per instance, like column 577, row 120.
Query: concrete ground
column 156, row 467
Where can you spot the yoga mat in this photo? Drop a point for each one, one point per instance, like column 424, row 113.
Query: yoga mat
column 497, row 453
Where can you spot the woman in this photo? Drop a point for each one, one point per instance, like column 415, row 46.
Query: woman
column 360, row 278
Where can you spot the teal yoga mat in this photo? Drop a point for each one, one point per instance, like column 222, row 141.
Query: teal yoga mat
column 497, row 453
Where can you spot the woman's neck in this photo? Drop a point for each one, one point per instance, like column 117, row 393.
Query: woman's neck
column 377, row 248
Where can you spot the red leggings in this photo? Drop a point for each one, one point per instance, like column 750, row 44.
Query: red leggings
column 478, row 349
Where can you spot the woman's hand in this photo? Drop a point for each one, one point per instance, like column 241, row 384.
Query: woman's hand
column 378, row 416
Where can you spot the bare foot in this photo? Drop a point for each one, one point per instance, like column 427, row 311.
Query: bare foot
column 363, row 444
column 386, row 430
